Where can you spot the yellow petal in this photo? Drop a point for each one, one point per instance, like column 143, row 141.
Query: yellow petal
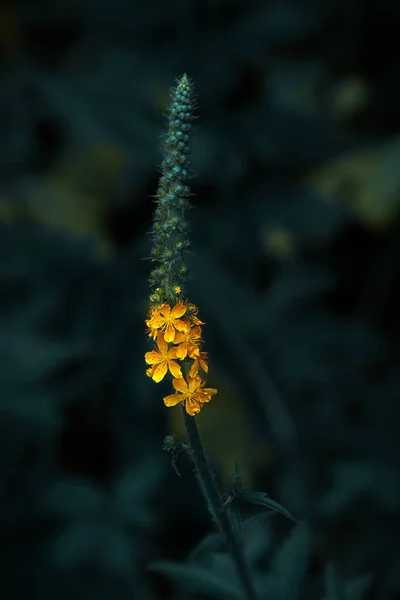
column 181, row 326
column 155, row 322
column 153, row 357
column 192, row 407
column 202, row 396
column 178, row 310
column 172, row 399
column 181, row 351
column 179, row 337
column 195, row 333
column 210, row 391
column 194, row 384
column 193, row 351
column 175, row 369
column 161, row 343
column 172, row 352
column 203, row 365
column 164, row 310
column 169, row 333
column 150, row 371
column 160, row 371
column 194, row 369
column 196, row 321
column 180, row 385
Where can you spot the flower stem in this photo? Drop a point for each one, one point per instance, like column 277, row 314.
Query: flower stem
column 216, row 505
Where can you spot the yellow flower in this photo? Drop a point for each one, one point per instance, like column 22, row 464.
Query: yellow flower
column 151, row 331
column 192, row 312
column 192, row 393
column 199, row 361
column 167, row 320
column 162, row 360
column 188, row 347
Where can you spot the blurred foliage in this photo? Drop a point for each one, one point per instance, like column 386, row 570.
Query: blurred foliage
column 295, row 232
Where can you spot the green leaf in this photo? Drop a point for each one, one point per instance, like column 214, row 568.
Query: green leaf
column 262, row 499
column 289, row 566
column 95, row 542
column 336, row 589
column 355, row 589
column 116, row 551
column 198, row 579
column 71, row 498
column 132, row 490
column 334, row 584
column 257, row 537
column 212, row 542
column 78, row 543
column 235, row 519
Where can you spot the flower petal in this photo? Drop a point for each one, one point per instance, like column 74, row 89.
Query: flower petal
column 203, row 365
column 155, row 322
column 175, row 369
column 192, row 407
column 164, row 310
column 160, row 371
column 181, row 386
column 194, row 383
column 169, row 333
column 172, row 399
column 194, row 369
column 196, row 320
column 161, row 343
column 210, row 391
column 193, row 350
column 172, row 352
column 150, row 371
column 153, row 357
column 202, row 396
column 181, row 351
column 195, row 333
column 179, row 337
column 181, row 326
column 178, row 310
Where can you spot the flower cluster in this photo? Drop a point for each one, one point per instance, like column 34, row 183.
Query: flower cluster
column 176, row 332
column 173, row 324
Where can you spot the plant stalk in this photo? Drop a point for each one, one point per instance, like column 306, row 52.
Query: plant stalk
column 216, row 505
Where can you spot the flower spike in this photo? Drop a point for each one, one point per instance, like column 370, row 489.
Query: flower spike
column 172, row 323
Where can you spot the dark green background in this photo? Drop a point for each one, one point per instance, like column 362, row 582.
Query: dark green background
column 295, row 239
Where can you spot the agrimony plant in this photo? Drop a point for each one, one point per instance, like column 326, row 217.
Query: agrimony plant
column 176, row 333
column 172, row 322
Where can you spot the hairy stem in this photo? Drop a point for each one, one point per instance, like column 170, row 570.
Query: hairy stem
column 215, row 505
